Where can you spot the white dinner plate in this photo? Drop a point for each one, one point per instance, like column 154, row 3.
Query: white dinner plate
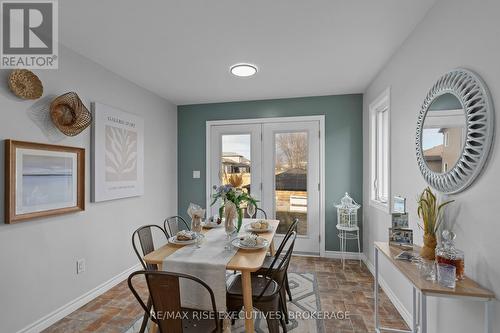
column 174, row 240
column 249, row 228
column 237, row 243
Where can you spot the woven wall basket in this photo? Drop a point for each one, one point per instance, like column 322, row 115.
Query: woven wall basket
column 69, row 114
column 25, row 84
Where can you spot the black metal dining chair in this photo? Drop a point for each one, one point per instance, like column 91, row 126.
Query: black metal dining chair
column 266, row 291
column 278, row 274
column 144, row 236
column 164, row 291
column 259, row 211
column 172, row 225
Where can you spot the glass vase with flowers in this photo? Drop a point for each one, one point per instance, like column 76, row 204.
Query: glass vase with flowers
column 238, row 197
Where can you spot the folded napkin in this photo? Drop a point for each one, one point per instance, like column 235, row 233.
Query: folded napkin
column 196, row 213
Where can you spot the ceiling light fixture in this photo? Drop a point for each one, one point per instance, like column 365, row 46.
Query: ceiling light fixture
column 243, row 70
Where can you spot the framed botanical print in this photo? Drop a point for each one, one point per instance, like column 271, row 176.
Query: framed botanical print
column 117, row 154
column 42, row 180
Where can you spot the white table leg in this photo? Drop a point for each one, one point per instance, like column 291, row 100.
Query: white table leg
column 414, row 310
column 423, row 310
column 359, row 248
column 488, row 316
column 342, row 240
column 375, row 291
column 344, row 249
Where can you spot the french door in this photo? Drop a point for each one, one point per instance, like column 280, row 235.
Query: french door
column 278, row 162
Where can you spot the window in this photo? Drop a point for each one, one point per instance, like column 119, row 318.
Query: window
column 379, row 151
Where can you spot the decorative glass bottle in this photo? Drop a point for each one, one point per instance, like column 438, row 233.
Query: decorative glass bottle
column 446, row 253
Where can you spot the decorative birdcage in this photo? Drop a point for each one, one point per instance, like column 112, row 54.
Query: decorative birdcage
column 347, row 212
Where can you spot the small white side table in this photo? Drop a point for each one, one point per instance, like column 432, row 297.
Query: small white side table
column 346, row 233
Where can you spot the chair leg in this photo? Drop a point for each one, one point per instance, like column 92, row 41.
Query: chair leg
column 233, row 308
column 273, row 324
column 283, row 305
column 146, row 316
column 283, row 324
column 287, row 286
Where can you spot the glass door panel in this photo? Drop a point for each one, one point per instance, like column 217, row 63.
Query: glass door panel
column 291, row 170
column 236, row 162
column 290, row 185
column 235, row 159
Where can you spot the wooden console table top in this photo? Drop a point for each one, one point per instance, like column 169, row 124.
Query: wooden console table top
column 464, row 288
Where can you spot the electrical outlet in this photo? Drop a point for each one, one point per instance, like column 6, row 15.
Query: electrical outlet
column 80, row 266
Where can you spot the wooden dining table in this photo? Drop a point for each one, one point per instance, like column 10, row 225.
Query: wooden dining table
column 244, row 261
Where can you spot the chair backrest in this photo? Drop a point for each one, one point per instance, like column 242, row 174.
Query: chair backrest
column 164, row 290
column 283, row 263
column 171, row 224
column 292, row 227
column 145, row 237
column 257, row 211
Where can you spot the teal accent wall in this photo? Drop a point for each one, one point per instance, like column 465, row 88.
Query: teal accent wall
column 343, row 146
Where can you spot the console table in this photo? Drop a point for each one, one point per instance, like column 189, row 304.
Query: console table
column 465, row 288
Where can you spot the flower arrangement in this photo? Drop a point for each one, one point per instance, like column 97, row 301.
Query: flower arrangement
column 430, row 211
column 234, row 179
column 237, row 196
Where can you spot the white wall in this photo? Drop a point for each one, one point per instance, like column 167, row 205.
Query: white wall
column 38, row 258
column 454, row 33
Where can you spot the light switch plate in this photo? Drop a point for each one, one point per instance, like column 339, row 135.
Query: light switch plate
column 196, row 173
column 80, row 266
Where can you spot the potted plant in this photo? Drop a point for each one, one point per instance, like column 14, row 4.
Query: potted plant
column 431, row 213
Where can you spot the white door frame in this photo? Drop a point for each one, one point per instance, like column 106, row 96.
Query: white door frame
column 320, row 118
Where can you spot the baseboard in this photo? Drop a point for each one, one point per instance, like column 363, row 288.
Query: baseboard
column 339, row 254
column 390, row 293
column 68, row 308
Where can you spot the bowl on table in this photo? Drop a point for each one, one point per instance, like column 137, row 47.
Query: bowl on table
column 259, row 226
column 184, row 237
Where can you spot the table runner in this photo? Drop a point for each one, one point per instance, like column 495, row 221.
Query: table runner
column 207, row 263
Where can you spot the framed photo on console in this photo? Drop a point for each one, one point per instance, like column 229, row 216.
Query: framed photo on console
column 42, row 180
column 401, row 237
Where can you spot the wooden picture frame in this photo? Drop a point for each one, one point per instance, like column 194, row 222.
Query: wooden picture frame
column 42, row 180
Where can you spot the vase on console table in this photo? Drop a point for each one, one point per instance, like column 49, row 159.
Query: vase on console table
column 429, row 249
column 430, row 211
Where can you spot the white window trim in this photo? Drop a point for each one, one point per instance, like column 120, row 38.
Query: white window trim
column 382, row 101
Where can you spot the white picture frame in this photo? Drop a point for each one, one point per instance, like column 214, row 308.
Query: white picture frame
column 117, row 154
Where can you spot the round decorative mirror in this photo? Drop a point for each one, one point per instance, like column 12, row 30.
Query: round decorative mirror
column 454, row 131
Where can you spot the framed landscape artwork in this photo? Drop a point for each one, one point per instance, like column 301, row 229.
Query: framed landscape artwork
column 42, row 180
column 117, row 154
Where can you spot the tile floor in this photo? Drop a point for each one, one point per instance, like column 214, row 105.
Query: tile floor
column 349, row 290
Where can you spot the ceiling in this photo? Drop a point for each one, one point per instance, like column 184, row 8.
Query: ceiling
column 182, row 49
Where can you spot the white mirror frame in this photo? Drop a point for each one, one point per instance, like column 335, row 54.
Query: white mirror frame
column 472, row 92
